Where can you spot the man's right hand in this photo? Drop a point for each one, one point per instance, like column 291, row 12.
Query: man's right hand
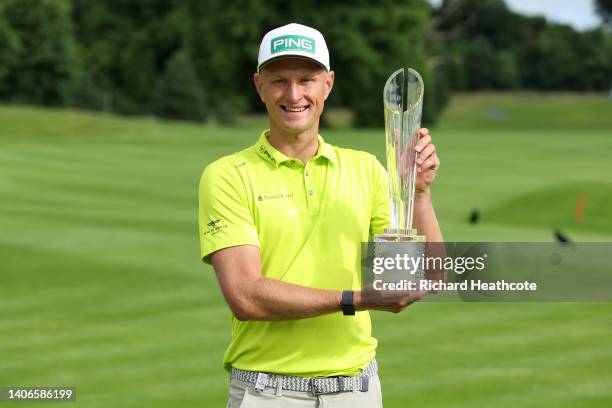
column 386, row 300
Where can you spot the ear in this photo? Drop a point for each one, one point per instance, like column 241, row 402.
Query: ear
column 258, row 80
column 329, row 83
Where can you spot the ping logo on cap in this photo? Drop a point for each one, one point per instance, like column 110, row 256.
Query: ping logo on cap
column 292, row 43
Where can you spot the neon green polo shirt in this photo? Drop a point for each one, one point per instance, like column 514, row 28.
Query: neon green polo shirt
column 308, row 222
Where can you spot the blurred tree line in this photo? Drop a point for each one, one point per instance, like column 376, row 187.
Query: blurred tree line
column 189, row 59
column 490, row 47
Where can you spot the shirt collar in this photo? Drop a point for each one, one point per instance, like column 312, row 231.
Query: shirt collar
column 326, row 150
column 269, row 153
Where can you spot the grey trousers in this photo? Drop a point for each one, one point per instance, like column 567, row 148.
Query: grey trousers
column 243, row 395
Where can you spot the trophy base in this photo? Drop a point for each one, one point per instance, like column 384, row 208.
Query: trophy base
column 399, row 235
column 401, row 242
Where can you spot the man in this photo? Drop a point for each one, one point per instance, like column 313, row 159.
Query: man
column 282, row 224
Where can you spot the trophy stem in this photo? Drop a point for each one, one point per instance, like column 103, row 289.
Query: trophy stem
column 403, row 104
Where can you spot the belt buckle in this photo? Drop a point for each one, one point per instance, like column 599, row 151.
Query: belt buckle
column 313, row 386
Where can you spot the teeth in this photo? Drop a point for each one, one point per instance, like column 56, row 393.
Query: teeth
column 301, row 109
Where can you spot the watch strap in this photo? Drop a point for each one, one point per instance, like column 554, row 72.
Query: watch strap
column 348, row 306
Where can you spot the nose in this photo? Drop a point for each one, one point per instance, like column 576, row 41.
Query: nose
column 294, row 92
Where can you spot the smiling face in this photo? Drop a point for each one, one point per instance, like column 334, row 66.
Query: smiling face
column 294, row 91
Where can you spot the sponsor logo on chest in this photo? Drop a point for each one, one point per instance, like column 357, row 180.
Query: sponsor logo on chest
column 275, row 196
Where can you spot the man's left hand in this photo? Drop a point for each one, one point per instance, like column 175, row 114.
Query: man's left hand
column 427, row 161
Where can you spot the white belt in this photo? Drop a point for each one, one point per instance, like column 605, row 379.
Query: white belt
column 316, row 385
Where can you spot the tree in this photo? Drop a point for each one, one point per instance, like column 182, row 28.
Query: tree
column 369, row 42
column 488, row 68
column 124, row 45
column 178, row 94
column 224, row 42
column 489, row 46
column 40, row 53
column 604, row 9
column 10, row 49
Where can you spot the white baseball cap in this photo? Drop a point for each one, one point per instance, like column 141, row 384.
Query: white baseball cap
column 293, row 40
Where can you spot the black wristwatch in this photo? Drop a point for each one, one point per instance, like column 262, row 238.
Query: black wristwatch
column 348, row 307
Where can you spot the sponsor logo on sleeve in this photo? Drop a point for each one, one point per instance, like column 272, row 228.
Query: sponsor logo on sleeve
column 215, row 226
column 213, row 223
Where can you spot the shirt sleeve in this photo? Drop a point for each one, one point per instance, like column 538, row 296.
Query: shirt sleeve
column 225, row 219
column 380, row 200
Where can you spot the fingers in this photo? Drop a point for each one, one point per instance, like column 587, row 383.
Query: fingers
column 423, row 132
column 424, row 139
column 400, row 306
column 426, row 153
column 432, row 163
column 424, row 148
column 427, row 158
column 387, row 300
column 413, row 297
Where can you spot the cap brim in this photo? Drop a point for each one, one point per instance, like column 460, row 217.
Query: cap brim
column 285, row 56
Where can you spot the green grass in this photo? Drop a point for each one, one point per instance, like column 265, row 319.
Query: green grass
column 101, row 287
column 529, row 111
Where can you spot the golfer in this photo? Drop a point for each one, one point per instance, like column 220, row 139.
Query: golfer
column 282, row 223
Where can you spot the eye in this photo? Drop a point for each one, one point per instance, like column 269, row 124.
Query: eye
column 278, row 81
column 307, row 80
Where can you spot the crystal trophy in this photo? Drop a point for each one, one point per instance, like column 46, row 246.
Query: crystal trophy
column 403, row 105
